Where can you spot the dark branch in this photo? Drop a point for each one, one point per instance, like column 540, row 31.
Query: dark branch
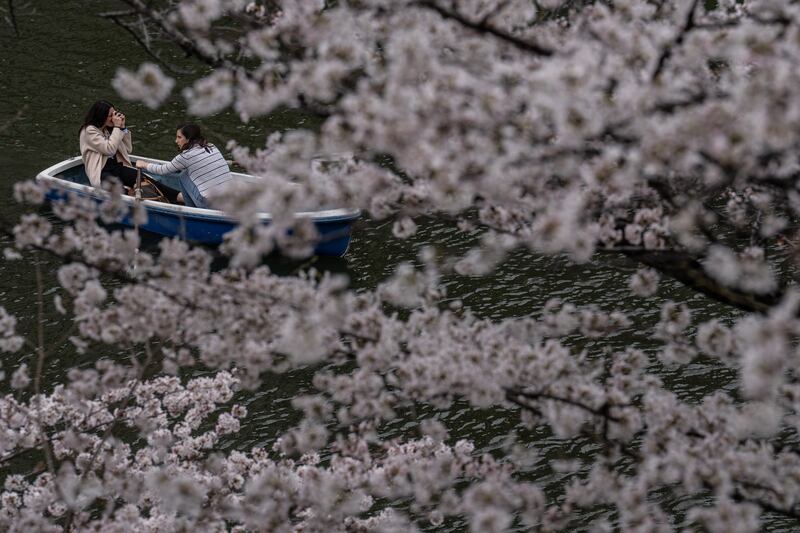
column 667, row 52
column 602, row 411
column 484, row 28
column 12, row 17
column 670, row 107
column 688, row 270
column 766, row 506
column 184, row 42
column 115, row 17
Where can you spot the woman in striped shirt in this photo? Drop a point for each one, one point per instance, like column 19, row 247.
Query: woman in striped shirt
column 203, row 170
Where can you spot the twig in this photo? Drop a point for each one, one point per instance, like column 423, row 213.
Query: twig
column 115, row 17
column 483, row 27
column 603, row 411
column 184, row 42
column 12, row 17
column 112, row 425
column 667, row 52
column 47, row 445
column 37, row 378
column 13, row 455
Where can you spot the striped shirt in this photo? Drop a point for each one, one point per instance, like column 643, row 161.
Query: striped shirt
column 205, row 172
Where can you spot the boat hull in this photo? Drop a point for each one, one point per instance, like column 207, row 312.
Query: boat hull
column 204, row 226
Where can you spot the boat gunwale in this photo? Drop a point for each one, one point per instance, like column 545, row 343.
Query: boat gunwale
column 49, row 174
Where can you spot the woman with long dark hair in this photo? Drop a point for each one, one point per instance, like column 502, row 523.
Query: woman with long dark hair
column 203, row 170
column 106, row 145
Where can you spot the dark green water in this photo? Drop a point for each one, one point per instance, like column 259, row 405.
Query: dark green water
column 64, row 58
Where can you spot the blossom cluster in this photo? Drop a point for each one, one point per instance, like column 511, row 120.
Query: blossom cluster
column 242, row 323
column 664, row 131
column 572, row 129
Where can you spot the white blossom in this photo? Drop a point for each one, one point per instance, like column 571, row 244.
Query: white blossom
column 211, row 94
column 148, row 85
column 663, row 131
column 644, row 282
column 20, row 378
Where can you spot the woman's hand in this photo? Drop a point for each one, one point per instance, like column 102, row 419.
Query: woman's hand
column 118, row 120
column 141, row 164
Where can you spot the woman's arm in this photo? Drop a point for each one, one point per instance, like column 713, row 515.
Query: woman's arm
column 96, row 141
column 127, row 142
column 176, row 165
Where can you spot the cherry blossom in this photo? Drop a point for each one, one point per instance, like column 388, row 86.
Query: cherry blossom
column 661, row 132
column 149, row 85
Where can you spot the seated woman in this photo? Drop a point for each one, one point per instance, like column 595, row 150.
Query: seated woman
column 106, row 145
column 202, row 167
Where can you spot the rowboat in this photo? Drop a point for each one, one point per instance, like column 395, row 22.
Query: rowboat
column 194, row 224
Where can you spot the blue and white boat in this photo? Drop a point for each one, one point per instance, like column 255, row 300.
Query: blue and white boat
column 206, row 226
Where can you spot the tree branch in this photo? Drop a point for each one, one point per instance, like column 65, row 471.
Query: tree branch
column 12, row 17
column 115, row 17
column 666, row 53
column 484, row 28
column 603, row 411
column 184, row 42
column 688, row 270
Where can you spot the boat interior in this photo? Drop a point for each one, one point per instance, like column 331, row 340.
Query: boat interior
column 77, row 174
